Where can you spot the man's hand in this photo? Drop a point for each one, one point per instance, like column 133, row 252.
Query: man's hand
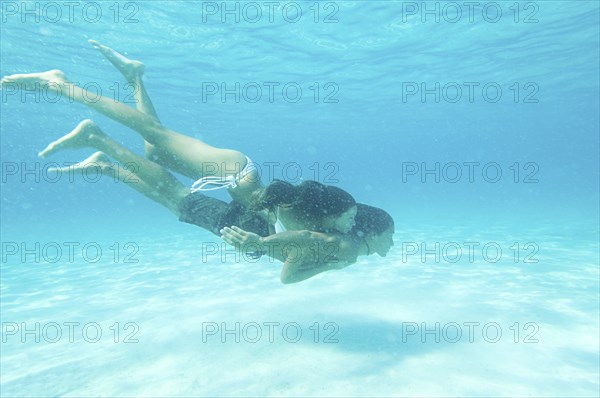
column 242, row 240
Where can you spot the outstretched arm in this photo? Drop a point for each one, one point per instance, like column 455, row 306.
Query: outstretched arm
column 304, row 253
column 294, row 272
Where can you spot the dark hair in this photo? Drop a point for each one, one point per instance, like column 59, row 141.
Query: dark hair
column 310, row 200
column 371, row 221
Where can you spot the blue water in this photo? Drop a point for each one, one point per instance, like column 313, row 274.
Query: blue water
column 525, row 299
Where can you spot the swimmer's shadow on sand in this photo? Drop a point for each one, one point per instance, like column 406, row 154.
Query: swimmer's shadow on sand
column 398, row 340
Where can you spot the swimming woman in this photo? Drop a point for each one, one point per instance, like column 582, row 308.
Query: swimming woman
column 183, row 154
column 316, row 251
column 208, row 165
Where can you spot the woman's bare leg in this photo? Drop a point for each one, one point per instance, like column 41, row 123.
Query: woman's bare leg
column 99, row 162
column 167, row 156
column 195, row 159
column 157, row 182
column 132, row 71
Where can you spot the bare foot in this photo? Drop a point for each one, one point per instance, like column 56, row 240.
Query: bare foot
column 99, row 160
column 80, row 137
column 129, row 68
column 52, row 79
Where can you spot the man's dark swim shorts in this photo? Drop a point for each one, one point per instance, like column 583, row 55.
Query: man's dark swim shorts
column 213, row 214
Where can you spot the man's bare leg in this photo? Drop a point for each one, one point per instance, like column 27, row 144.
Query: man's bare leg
column 100, row 162
column 162, row 183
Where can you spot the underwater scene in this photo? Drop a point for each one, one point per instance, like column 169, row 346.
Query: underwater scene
column 299, row 198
